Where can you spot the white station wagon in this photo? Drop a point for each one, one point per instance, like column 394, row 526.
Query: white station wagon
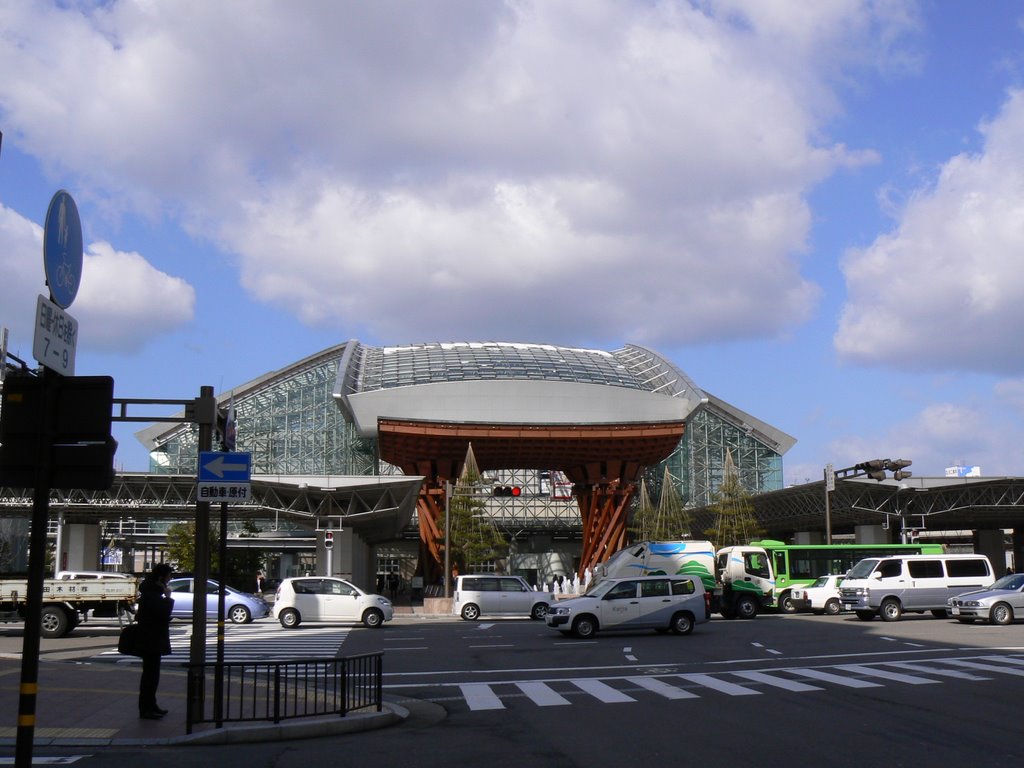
column 328, row 599
column 662, row 603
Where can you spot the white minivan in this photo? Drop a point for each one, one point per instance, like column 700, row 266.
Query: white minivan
column 490, row 594
column 897, row 584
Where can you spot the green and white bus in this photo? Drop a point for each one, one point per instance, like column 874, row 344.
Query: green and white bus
column 796, row 565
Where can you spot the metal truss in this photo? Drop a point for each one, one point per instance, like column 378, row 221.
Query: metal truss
column 938, row 503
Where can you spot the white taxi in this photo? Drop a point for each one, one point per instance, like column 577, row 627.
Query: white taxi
column 821, row 597
column 662, row 603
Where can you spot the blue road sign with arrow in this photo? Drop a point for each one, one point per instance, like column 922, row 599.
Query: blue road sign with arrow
column 224, row 476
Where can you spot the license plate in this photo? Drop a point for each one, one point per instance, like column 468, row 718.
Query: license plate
column 955, row 611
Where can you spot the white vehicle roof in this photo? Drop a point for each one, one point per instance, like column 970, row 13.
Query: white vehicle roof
column 93, row 575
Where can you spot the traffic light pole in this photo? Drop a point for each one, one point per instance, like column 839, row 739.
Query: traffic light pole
column 875, row 469
column 36, row 570
column 205, row 417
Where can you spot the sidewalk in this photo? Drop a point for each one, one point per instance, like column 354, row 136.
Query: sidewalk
column 95, row 704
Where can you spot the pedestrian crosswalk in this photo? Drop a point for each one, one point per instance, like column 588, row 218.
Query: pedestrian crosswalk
column 253, row 642
column 800, row 679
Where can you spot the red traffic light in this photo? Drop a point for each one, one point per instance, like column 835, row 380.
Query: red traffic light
column 328, row 539
column 507, row 490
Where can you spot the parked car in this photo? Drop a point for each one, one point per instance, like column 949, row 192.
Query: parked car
column 239, row 607
column 662, row 603
column 1000, row 603
column 489, row 594
column 329, row 599
column 820, row 597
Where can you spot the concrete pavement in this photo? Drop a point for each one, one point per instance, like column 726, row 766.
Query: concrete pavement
column 86, row 703
column 95, row 704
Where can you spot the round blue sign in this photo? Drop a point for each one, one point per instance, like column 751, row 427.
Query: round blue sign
column 62, row 249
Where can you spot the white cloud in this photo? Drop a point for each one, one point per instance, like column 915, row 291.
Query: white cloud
column 556, row 170
column 122, row 301
column 939, row 435
column 943, row 290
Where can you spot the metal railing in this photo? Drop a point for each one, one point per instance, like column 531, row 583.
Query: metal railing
column 280, row 690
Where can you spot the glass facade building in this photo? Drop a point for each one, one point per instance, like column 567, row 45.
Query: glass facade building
column 294, row 422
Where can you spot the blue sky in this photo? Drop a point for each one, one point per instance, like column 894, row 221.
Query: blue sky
column 816, row 210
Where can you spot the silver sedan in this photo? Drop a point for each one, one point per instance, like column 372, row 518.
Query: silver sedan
column 999, row 603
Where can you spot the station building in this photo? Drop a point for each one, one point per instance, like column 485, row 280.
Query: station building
column 573, row 430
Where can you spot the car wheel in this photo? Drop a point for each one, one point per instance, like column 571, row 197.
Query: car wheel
column 786, row 603
column 373, row 618
column 682, row 624
column 540, row 610
column 584, row 627
column 865, row 615
column 471, row 612
column 54, row 622
column 746, row 607
column 890, row 610
column 1001, row 614
column 239, row 614
column 833, row 607
column 289, row 618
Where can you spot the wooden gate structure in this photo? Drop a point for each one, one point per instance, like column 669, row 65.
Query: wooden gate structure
column 603, row 461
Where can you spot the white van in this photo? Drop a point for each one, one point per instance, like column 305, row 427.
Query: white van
column 478, row 595
column 894, row 585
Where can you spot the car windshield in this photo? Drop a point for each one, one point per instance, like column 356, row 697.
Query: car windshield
column 600, row 589
column 863, row 569
column 821, row 581
column 1012, row 581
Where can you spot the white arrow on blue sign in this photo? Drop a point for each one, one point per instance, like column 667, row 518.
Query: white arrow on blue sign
column 223, row 467
column 224, row 476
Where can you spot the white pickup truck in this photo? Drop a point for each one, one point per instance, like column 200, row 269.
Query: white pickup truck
column 66, row 602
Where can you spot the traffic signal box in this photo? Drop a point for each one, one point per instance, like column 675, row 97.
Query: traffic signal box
column 80, row 448
column 328, row 539
column 507, row 490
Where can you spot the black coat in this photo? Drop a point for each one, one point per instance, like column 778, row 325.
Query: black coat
column 154, row 617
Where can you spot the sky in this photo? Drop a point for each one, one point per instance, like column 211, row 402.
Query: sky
column 815, row 210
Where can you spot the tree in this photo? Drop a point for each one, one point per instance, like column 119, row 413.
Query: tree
column 181, row 546
column 472, row 536
column 242, row 564
column 668, row 521
column 643, row 518
column 735, row 522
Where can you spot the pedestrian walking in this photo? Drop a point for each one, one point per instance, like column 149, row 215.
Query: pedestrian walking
column 259, row 582
column 154, row 619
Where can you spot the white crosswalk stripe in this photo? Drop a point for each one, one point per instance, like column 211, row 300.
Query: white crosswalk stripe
column 254, row 642
column 562, row 692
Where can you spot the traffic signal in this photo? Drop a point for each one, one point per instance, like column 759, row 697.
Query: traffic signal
column 507, row 490
column 875, row 469
column 80, row 449
column 897, row 465
column 328, row 539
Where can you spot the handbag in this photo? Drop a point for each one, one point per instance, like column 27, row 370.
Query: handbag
column 131, row 641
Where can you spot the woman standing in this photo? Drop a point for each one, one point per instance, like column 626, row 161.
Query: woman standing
column 154, row 618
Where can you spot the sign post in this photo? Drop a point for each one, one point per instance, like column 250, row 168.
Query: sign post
column 62, row 263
